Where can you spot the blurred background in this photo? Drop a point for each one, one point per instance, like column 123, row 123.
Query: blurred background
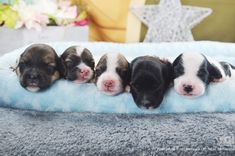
column 26, row 21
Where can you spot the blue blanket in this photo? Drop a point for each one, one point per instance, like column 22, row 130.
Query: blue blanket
column 66, row 96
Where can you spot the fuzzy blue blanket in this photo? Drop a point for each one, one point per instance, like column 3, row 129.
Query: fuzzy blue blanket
column 69, row 97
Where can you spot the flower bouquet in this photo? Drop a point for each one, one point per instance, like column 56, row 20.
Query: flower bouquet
column 53, row 20
column 41, row 13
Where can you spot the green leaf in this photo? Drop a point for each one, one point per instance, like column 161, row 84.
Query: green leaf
column 8, row 16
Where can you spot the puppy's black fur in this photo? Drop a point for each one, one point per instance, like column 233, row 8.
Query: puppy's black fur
column 150, row 78
column 39, row 65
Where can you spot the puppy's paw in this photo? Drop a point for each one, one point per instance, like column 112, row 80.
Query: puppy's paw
column 219, row 80
column 14, row 67
column 127, row 89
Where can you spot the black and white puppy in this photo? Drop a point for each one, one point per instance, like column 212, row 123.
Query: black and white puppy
column 38, row 67
column 150, row 79
column 193, row 72
column 112, row 73
column 79, row 64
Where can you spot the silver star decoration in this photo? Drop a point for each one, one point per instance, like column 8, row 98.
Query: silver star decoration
column 170, row 21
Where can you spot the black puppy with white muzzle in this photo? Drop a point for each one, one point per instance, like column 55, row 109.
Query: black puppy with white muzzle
column 194, row 71
column 38, row 67
column 150, row 79
column 79, row 64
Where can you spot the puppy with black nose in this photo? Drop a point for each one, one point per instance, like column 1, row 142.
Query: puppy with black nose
column 150, row 79
column 193, row 72
column 112, row 73
column 38, row 67
column 79, row 64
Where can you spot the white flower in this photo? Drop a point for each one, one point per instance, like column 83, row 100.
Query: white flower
column 48, row 7
column 59, row 10
column 29, row 16
column 65, row 15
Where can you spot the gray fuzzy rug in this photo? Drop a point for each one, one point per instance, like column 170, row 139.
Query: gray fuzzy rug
column 41, row 133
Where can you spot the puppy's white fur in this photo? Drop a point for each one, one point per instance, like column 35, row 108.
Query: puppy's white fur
column 79, row 50
column 90, row 75
column 110, row 74
column 190, row 75
column 82, row 65
column 33, row 89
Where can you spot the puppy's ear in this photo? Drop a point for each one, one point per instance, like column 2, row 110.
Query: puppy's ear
column 128, row 79
column 87, row 54
column 167, row 72
column 61, row 67
column 214, row 72
column 15, row 68
column 127, row 76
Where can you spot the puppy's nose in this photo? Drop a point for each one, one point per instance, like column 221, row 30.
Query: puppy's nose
column 33, row 76
column 146, row 103
column 108, row 83
column 188, row 88
column 84, row 72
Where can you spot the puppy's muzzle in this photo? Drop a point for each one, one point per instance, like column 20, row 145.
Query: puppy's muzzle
column 33, row 78
column 84, row 72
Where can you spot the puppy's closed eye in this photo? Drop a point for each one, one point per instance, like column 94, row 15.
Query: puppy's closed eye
column 202, row 72
column 135, row 87
column 69, row 64
column 122, row 72
column 157, row 88
column 178, row 70
column 50, row 68
column 23, row 65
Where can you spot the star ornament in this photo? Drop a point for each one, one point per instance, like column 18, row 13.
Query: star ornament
column 170, row 21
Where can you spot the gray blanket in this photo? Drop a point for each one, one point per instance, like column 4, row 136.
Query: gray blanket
column 44, row 133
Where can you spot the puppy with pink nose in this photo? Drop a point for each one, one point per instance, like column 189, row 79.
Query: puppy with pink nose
column 79, row 64
column 112, row 74
column 193, row 72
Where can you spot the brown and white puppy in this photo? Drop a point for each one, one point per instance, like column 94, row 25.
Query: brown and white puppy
column 38, row 67
column 79, row 64
column 112, row 74
column 150, row 79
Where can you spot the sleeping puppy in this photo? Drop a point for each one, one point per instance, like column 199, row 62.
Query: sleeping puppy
column 150, row 78
column 79, row 64
column 38, row 67
column 112, row 73
column 193, row 72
